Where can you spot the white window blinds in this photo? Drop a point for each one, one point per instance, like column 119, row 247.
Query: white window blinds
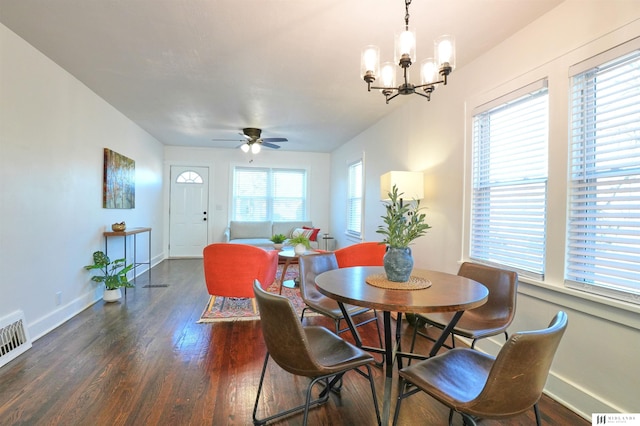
column 354, row 202
column 509, row 180
column 269, row 194
column 604, row 210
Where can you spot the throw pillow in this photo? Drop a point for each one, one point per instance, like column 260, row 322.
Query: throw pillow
column 314, row 233
column 300, row 231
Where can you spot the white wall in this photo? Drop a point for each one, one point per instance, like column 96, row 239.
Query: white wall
column 52, row 133
column 596, row 368
column 221, row 162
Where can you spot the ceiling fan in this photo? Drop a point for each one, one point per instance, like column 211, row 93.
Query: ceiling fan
column 253, row 141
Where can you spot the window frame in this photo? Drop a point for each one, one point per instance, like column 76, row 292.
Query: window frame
column 350, row 199
column 482, row 181
column 270, row 197
column 601, row 236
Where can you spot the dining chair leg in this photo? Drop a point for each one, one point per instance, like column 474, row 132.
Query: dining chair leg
column 536, row 410
column 403, row 393
column 212, row 301
column 373, row 395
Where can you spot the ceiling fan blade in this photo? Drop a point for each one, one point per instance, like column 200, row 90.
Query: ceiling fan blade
column 275, row 140
column 270, row 145
column 227, row 140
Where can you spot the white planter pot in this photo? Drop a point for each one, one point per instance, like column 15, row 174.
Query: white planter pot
column 299, row 249
column 112, row 295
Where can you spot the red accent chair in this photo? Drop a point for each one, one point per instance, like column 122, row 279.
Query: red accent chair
column 361, row 254
column 230, row 270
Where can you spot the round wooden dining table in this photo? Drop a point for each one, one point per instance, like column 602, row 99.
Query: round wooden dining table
column 445, row 293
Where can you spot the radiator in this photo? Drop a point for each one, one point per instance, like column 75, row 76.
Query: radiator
column 14, row 337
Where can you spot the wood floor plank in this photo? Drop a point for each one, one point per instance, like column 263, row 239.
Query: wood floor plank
column 145, row 361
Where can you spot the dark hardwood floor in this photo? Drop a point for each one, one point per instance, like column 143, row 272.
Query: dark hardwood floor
column 145, row 361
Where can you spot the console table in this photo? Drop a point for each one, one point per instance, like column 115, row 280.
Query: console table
column 124, row 234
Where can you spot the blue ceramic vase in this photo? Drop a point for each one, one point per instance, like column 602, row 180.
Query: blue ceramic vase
column 398, row 264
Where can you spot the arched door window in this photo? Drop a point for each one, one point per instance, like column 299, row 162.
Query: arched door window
column 189, row 176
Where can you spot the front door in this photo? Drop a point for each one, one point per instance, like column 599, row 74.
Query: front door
column 188, row 211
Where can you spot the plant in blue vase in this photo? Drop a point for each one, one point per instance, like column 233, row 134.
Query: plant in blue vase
column 403, row 223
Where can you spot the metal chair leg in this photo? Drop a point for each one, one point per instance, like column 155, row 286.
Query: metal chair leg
column 536, row 410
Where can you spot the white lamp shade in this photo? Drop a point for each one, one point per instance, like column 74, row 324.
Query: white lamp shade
column 410, row 185
column 445, row 51
column 245, row 147
column 255, row 148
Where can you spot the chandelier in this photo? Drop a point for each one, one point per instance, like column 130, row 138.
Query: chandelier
column 433, row 71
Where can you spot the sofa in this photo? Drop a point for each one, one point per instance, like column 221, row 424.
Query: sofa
column 259, row 233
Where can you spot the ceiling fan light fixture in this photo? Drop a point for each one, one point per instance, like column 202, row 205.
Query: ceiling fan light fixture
column 255, row 148
column 245, row 147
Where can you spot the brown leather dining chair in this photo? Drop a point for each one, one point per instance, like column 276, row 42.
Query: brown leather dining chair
column 477, row 385
column 490, row 319
column 310, row 267
column 310, row 351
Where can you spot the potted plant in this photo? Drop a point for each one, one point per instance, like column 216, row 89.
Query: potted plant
column 113, row 275
column 403, row 223
column 300, row 244
column 278, row 240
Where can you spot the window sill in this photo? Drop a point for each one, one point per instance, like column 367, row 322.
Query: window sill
column 618, row 311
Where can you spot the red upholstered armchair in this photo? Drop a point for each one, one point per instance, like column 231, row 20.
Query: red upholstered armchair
column 361, row 254
column 230, row 270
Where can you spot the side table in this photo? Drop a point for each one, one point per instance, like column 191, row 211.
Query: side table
column 289, row 257
column 124, row 234
column 328, row 242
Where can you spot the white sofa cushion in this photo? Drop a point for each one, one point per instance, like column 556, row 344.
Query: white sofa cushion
column 242, row 230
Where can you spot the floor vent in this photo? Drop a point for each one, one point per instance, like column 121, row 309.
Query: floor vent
column 14, row 337
column 155, row 286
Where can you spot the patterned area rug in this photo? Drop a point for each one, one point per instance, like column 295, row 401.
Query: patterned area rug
column 234, row 309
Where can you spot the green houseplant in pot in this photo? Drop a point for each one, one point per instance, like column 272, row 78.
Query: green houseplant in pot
column 403, row 223
column 300, row 244
column 278, row 240
column 112, row 273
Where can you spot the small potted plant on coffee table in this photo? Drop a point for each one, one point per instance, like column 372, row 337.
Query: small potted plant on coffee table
column 278, row 241
column 114, row 275
column 300, row 244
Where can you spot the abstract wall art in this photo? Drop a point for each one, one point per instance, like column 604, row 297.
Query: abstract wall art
column 119, row 185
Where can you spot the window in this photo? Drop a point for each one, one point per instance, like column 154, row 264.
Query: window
column 509, row 180
column 189, row 177
column 269, row 194
column 603, row 253
column 354, row 202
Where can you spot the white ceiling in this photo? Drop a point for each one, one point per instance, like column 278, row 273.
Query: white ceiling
column 188, row 71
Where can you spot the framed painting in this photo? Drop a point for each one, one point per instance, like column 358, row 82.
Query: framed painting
column 119, row 184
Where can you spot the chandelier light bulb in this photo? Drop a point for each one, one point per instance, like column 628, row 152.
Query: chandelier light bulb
column 370, row 63
column 428, row 71
column 245, row 147
column 445, row 50
column 388, row 75
column 405, row 48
